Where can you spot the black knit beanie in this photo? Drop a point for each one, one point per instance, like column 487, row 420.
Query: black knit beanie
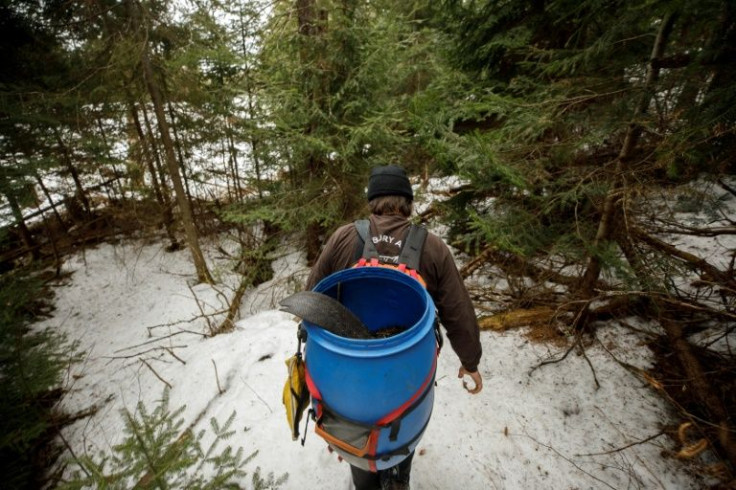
column 389, row 181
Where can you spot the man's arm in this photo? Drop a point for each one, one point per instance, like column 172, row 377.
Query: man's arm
column 457, row 314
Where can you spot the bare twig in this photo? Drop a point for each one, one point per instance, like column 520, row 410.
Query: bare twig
column 590, row 364
column 156, row 374
column 569, row 460
column 623, row 448
column 190, row 320
column 174, row 355
column 137, row 354
column 217, row 378
column 577, row 343
column 201, row 310
column 559, row 359
column 161, row 338
column 256, row 393
column 726, row 187
column 229, row 323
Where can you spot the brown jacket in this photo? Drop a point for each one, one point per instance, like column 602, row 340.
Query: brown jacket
column 437, row 268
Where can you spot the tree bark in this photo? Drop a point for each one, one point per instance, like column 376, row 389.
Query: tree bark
column 25, row 233
column 252, row 140
column 80, row 194
column 312, row 22
column 203, row 273
column 46, row 193
column 159, row 167
column 162, row 197
column 611, row 204
column 233, row 160
column 179, row 153
column 148, row 159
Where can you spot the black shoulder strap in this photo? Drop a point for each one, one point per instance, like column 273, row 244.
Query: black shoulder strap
column 411, row 251
column 365, row 247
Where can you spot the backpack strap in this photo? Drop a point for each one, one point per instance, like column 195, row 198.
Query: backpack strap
column 365, row 249
column 411, row 251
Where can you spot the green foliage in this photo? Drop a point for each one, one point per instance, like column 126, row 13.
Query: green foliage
column 158, row 451
column 32, row 363
column 536, row 116
column 338, row 90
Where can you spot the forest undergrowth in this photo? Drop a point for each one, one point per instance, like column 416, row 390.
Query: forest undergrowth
column 533, row 296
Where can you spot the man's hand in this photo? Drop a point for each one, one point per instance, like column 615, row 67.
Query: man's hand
column 475, row 376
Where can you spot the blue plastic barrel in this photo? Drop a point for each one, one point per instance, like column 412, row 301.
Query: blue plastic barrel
column 365, row 380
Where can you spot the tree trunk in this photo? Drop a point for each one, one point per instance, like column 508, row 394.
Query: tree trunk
column 233, row 160
column 25, row 233
column 101, row 128
column 162, row 197
column 179, row 153
column 156, row 156
column 311, row 23
column 80, row 194
column 148, row 159
column 203, row 273
column 252, row 140
column 611, row 204
column 46, row 193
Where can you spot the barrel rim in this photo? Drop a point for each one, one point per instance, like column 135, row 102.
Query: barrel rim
column 381, row 346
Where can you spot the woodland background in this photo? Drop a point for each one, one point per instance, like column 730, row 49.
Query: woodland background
column 569, row 124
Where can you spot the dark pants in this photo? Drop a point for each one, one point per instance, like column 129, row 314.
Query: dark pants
column 382, row 480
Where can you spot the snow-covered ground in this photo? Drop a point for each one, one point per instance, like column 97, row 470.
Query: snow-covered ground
column 133, row 311
column 139, row 320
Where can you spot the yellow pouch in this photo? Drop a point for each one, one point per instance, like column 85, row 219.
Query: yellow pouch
column 296, row 395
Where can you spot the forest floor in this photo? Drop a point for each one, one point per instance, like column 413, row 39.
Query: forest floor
column 549, row 416
column 138, row 318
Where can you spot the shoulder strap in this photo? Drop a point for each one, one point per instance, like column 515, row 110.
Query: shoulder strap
column 365, row 247
column 411, row 251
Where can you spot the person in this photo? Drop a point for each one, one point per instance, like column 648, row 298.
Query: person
column 390, row 199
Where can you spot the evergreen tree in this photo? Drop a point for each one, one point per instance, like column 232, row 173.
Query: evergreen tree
column 337, row 80
column 557, row 87
column 32, row 363
column 588, row 108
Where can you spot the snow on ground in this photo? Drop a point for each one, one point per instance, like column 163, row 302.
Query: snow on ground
column 133, row 311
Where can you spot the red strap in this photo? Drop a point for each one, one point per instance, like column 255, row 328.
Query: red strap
column 399, row 411
column 313, row 390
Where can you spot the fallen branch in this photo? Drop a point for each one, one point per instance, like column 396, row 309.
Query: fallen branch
column 697, row 381
column 514, row 265
column 518, row 318
column 695, row 261
column 679, row 229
